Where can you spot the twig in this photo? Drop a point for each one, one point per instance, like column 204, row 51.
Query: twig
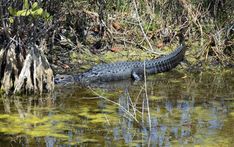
column 147, row 98
column 142, row 30
column 132, row 105
column 107, row 120
column 124, row 109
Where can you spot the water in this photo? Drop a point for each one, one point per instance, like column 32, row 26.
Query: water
column 174, row 109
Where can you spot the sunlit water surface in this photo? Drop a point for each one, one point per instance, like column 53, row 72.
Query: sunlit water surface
column 169, row 109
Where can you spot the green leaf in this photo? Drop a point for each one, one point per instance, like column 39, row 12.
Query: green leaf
column 34, row 6
column 26, row 5
column 38, row 12
column 46, row 15
column 11, row 20
column 12, row 11
column 23, row 13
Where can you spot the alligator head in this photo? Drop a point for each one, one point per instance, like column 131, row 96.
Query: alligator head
column 64, row 79
column 84, row 78
column 88, row 77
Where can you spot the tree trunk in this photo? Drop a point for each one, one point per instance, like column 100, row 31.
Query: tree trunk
column 25, row 75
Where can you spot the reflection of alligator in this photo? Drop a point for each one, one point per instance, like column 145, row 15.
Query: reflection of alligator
column 125, row 70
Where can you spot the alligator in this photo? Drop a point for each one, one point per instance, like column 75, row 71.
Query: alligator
column 126, row 70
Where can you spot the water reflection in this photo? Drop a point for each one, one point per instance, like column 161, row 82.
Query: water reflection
column 192, row 110
column 182, row 124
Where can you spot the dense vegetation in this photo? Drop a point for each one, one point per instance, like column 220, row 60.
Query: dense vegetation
column 36, row 34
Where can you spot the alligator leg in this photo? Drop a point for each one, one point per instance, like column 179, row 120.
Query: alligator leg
column 137, row 74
